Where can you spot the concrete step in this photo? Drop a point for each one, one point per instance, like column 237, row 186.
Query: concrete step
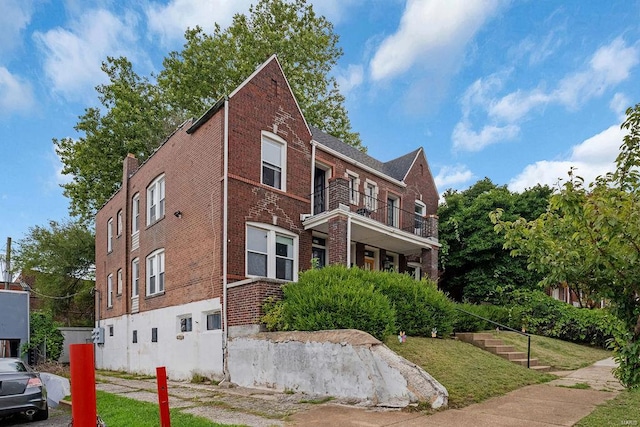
column 495, row 349
column 489, row 342
column 523, row 362
column 512, row 355
column 541, row 368
column 473, row 336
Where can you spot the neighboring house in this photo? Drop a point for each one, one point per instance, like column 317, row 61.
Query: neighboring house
column 229, row 208
column 14, row 320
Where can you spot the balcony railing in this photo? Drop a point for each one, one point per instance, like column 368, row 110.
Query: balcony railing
column 383, row 211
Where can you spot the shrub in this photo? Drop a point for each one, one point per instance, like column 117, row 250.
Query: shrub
column 331, row 298
column 45, row 336
column 337, row 297
column 419, row 306
column 468, row 323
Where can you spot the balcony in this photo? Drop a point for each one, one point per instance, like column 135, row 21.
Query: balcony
column 376, row 222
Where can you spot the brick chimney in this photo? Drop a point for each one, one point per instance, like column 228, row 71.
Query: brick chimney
column 129, row 167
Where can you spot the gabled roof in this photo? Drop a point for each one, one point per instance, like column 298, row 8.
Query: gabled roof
column 396, row 168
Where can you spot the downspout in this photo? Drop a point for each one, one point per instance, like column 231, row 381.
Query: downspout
column 348, row 241
column 313, row 173
column 225, row 195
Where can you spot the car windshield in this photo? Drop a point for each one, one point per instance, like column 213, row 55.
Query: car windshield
column 9, row 365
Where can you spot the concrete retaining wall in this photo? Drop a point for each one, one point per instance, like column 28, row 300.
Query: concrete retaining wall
column 347, row 364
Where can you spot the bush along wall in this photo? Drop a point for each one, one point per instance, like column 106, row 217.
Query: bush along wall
column 540, row 314
column 380, row 303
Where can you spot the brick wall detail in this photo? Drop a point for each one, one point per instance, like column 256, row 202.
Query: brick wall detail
column 246, row 300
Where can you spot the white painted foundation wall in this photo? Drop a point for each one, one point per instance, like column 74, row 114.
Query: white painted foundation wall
column 346, row 364
column 182, row 353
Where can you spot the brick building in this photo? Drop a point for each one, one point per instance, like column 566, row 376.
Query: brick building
column 229, row 208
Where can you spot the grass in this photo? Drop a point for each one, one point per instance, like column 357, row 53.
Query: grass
column 561, row 355
column 623, row 410
column 470, row 374
column 118, row 411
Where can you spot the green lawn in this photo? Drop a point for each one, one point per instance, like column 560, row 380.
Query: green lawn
column 118, row 411
column 470, row 374
column 624, row 410
column 561, row 355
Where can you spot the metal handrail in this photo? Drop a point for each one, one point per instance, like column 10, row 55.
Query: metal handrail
column 508, row 328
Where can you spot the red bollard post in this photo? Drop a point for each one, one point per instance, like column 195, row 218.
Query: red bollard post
column 163, row 396
column 83, row 385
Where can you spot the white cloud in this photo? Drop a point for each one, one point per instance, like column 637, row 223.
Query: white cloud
column 72, row 57
column 16, row 95
column 350, row 78
column 334, row 10
column 169, row 21
column 619, row 104
column 431, row 32
column 15, row 16
column 594, row 156
column 465, row 138
column 451, row 176
column 608, row 66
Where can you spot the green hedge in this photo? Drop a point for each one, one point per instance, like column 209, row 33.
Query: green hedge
column 542, row 315
column 380, row 303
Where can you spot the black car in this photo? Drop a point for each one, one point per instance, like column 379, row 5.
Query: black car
column 21, row 391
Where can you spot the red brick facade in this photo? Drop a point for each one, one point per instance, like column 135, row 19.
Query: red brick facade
column 191, row 230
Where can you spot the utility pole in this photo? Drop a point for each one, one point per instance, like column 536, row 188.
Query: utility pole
column 7, row 265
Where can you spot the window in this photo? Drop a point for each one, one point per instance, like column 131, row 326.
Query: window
column 393, row 210
column 274, row 159
column 110, row 290
column 271, row 253
column 135, row 214
column 155, row 200
column 155, row 272
column 119, row 291
column 119, row 223
column 154, row 334
column 186, row 324
column 319, row 252
column 354, row 189
column 371, row 196
column 420, row 211
column 135, row 337
column 135, row 277
column 391, row 262
column 214, row 321
column 110, row 235
column 110, row 330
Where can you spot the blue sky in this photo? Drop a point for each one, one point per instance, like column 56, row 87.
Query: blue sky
column 517, row 91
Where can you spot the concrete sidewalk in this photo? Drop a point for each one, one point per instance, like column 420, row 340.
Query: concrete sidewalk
column 551, row 404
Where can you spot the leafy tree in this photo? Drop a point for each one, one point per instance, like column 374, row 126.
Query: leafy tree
column 61, row 257
column 475, row 266
column 590, row 235
column 46, row 339
column 137, row 114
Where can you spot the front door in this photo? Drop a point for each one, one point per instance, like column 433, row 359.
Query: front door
column 319, row 191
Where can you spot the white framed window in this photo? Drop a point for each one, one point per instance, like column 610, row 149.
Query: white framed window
column 119, row 278
column 354, row 187
column 414, row 270
column 155, row 272
column 391, row 262
column 371, row 195
column 155, row 200
column 119, row 223
column 271, row 252
column 393, row 210
column 135, row 277
column 274, row 161
column 135, row 213
column 420, row 212
column 110, row 235
column 185, row 323
column 110, row 290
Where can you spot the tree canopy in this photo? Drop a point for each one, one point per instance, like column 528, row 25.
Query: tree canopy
column 136, row 114
column 590, row 236
column 61, row 259
column 474, row 265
